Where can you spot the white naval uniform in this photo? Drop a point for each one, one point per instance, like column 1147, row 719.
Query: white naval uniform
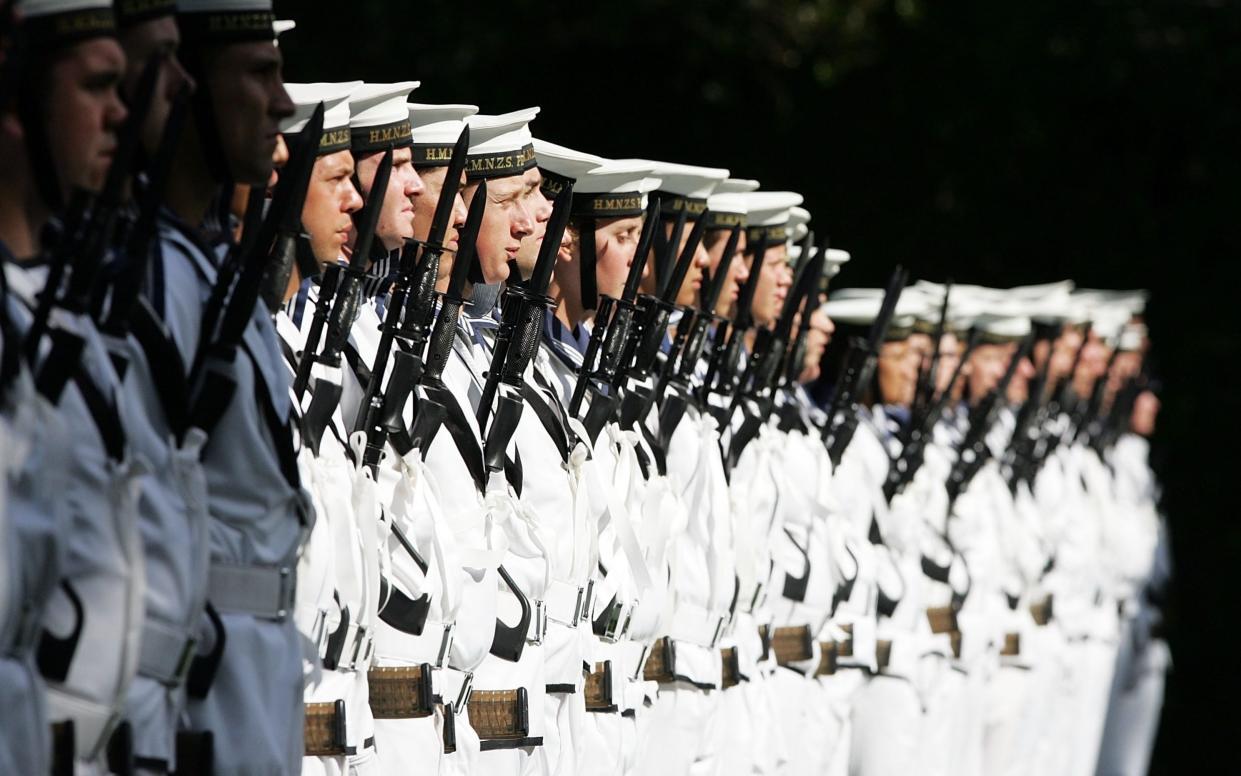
column 1143, row 659
column 97, row 610
column 259, row 517
column 33, row 442
column 344, row 567
column 172, row 514
column 437, row 506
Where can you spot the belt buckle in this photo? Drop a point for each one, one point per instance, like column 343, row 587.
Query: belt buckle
column 617, row 623
column 587, row 601
column 361, row 646
column 538, row 623
column 288, row 590
column 467, row 689
column 441, row 660
column 577, row 607
column 760, row 595
column 185, row 661
column 719, row 630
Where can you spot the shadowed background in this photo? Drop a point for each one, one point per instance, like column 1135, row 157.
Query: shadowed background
column 994, row 142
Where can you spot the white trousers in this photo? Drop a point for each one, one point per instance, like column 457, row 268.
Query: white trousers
column 681, row 732
column 887, row 716
column 1134, row 708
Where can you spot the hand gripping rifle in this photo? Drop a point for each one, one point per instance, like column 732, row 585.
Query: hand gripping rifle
column 82, row 247
column 608, row 337
column 859, row 366
column 343, row 300
column 974, row 452
column 921, row 432
column 677, row 381
column 517, row 339
column 646, row 340
column 407, row 317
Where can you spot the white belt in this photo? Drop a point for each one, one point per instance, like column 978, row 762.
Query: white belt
column 166, row 652
column 567, row 604
column 262, row 591
column 697, row 625
column 435, row 640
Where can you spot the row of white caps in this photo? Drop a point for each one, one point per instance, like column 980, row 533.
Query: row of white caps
column 1003, row 314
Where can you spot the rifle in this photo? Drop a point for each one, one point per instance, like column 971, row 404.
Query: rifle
column 342, row 298
column 518, row 337
column 769, row 354
column 1019, row 457
column 234, row 295
column 913, row 449
column 727, row 343
column 797, row 350
column 1061, row 397
column 974, row 452
column 608, row 336
column 924, row 394
column 81, row 247
column 412, row 299
column 678, row 371
column 1084, row 419
column 645, row 341
column 856, row 372
column 136, row 243
column 431, row 414
column 771, row 345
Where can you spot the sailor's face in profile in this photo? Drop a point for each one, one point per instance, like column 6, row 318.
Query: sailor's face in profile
column 249, row 101
column 84, row 112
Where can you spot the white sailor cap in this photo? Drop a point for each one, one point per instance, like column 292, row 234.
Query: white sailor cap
column 798, row 224
column 561, row 165
column 335, row 99
column 767, row 215
column 434, row 130
column 726, row 210
column 1002, row 317
column 225, row 21
column 860, row 307
column 500, row 146
column 53, row 23
column 833, row 262
column 684, row 187
column 378, row 118
column 133, row 12
column 281, row 26
column 1133, row 337
column 1134, row 301
column 736, row 186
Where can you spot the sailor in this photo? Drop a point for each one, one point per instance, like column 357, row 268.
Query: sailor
column 325, row 612
column 509, row 686
column 92, row 615
column 1143, row 658
column 247, row 691
column 437, row 616
column 172, row 504
column 684, row 719
column 595, row 262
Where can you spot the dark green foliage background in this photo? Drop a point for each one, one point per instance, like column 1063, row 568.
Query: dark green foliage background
column 994, row 142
